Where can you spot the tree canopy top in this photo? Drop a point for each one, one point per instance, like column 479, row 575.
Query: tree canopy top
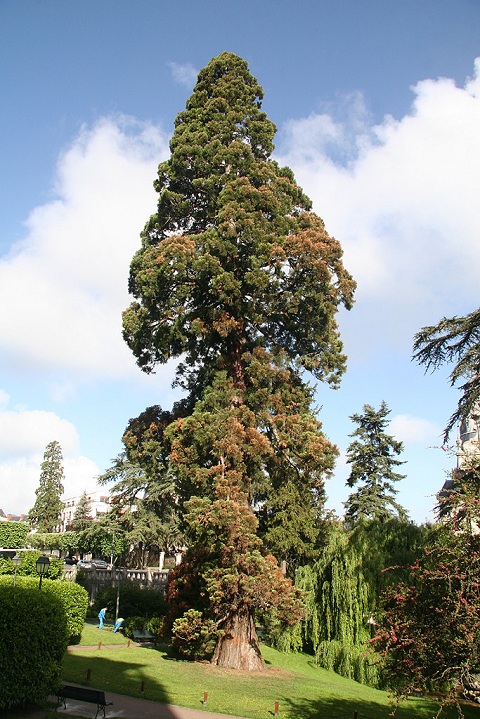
column 234, row 258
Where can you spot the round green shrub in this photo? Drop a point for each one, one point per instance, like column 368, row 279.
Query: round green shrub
column 142, row 624
column 33, row 639
column 154, row 625
column 74, row 600
column 194, row 636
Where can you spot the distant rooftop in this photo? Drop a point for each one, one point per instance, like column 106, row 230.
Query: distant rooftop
column 12, row 517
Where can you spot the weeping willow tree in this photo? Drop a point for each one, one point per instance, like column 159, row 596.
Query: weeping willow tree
column 343, row 590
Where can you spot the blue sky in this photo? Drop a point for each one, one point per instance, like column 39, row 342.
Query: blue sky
column 377, row 105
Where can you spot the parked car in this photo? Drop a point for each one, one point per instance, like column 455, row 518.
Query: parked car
column 95, row 563
column 69, row 560
column 100, row 564
column 83, row 564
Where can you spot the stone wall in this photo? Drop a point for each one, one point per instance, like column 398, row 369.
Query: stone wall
column 99, row 579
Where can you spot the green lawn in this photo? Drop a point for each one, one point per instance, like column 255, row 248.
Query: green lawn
column 302, row 690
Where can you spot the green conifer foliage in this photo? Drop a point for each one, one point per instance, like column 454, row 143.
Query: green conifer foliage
column 454, row 340
column 83, row 513
column 372, row 456
column 45, row 513
column 238, row 278
column 233, row 259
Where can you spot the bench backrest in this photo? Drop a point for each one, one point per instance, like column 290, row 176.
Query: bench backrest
column 95, row 696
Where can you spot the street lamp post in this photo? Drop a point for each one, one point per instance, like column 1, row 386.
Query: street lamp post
column 16, row 560
column 42, row 567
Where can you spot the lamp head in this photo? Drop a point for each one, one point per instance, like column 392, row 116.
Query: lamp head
column 42, row 564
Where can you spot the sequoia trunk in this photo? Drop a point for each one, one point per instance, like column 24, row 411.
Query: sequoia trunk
column 238, row 647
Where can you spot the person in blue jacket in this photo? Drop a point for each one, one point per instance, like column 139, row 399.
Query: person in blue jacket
column 119, row 624
column 101, row 617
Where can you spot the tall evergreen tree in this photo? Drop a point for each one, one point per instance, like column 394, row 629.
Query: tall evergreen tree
column 83, row 513
column 238, row 277
column 45, row 513
column 372, row 456
column 142, row 495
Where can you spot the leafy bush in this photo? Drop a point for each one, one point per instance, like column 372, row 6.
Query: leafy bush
column 154, row 625
column 134, row 601
column 193, row 636
column 142, row 624
column 6, row 566
column 33, row 639
column 74, row 599
column 134, row 624
column 352, row 661
column 13, row 535
column 63, row 541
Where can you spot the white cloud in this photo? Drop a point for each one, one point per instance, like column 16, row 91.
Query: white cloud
column 402, row 198
column 29, row 432
column 66, row 282
column 4, row 399
column 19, row 478
column 184, row 73
column 24, row 436
column 415, row 429
column 80, row 476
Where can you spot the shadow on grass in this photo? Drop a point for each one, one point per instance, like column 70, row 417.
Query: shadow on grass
column 122, row 671
column 100, row 671
column 360, row 709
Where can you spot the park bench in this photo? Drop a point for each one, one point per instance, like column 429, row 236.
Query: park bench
column 143, row 636
column 82, row 694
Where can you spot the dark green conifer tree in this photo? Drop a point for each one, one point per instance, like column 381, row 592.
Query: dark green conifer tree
column 238, row 278
column 45, row 513
column 372, row 456
column 142, row 495
column 83, row 513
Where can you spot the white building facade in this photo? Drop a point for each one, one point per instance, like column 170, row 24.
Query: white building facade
column 99, row 504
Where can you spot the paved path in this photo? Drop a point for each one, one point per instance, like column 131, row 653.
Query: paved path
column 132, row 708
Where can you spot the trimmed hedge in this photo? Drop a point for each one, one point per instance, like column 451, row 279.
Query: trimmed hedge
column 63, row 541
column 27, row 567
column 33, row 639
column 142, row 624
column 13, row 535
column 74, row 600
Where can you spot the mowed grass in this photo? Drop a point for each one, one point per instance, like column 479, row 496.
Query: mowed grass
column 302, row 690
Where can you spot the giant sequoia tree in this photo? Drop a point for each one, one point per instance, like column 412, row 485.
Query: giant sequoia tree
column 237, row 277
